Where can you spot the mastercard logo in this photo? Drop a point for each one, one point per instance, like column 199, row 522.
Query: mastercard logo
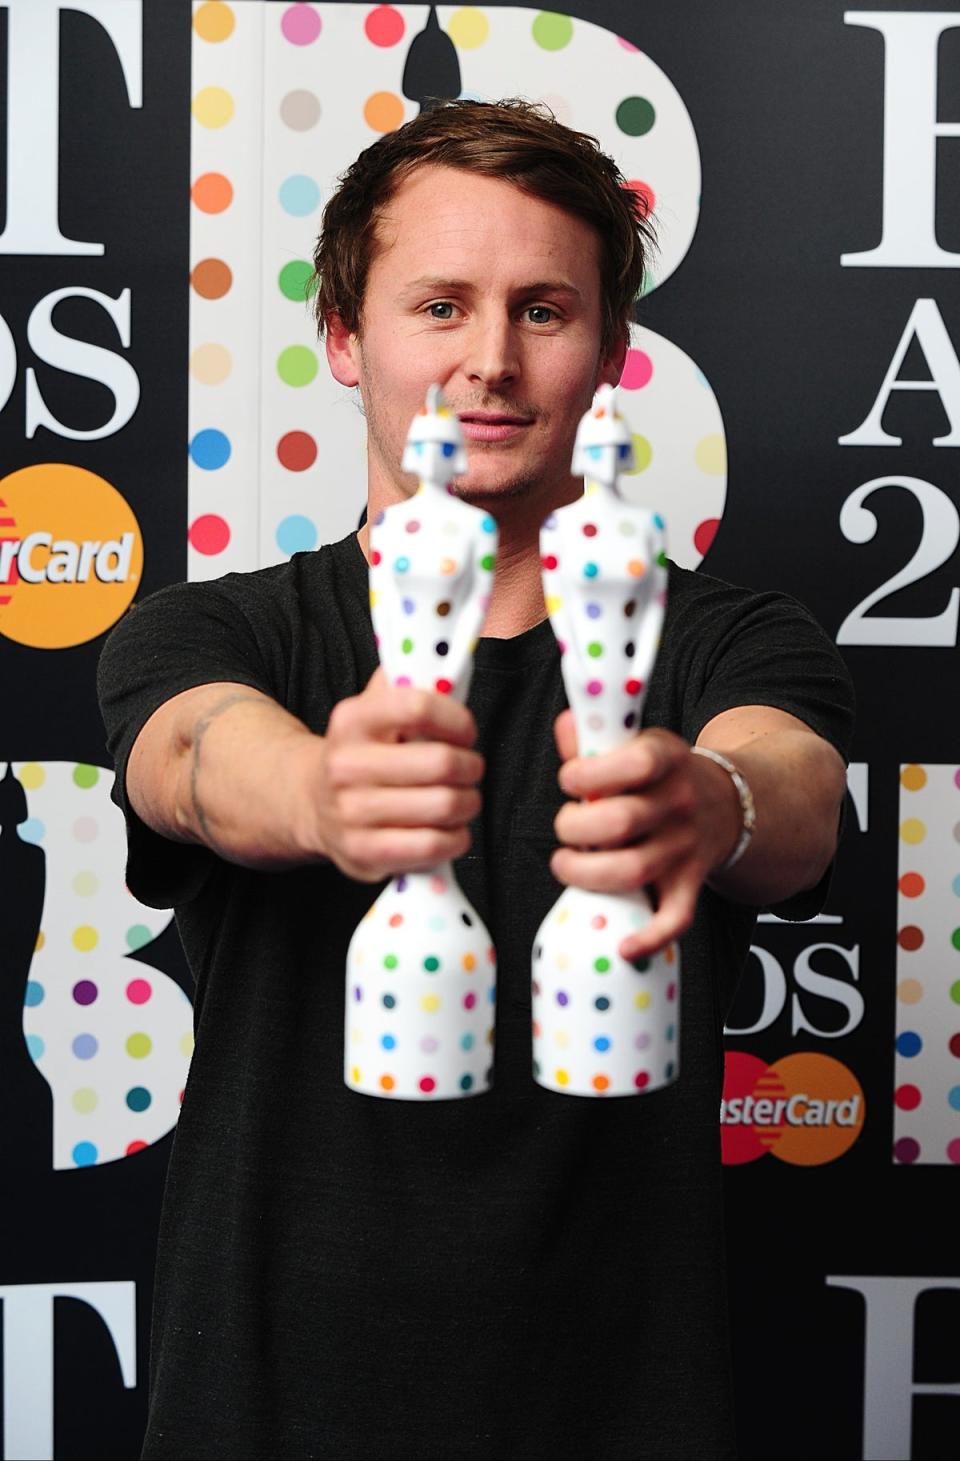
column 806, row 1109
column 71, row 556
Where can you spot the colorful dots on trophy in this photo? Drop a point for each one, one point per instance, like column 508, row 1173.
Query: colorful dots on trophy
column 420, row 994
column 602, row 1026
column 421, row 969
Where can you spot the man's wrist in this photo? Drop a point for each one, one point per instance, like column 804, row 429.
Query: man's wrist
column 304, row 775
column 745, row 805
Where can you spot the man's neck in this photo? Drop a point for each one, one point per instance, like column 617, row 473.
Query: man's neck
column 516, row 603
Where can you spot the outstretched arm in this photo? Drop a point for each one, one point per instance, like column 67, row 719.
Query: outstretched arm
column 653, row 813
column 390, row 788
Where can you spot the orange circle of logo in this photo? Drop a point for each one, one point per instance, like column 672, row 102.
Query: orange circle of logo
column 805, row 1109
column 71, row 555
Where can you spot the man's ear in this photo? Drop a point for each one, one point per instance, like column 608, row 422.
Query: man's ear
column 612, row 363
column 342, row 349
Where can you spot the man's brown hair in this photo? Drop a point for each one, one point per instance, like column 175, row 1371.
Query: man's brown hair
column 518, row 141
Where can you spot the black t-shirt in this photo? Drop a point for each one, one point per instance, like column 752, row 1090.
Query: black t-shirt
column 520, row 1274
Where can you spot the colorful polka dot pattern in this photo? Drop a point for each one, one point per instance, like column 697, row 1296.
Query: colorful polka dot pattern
column 284, row 97
column 432, row 561
column 431, row 574
column 926, row 1093
column 111, row 1036
column 601, row 1026
column 223, row 308
column 268, row 132
column 679, row 445
column 605, row 582
column 420, row 998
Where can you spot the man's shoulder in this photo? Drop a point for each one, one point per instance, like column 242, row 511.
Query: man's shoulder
column 332, row 568
column 315, row 567
column 264, row 616
column 692, row 585
column 691, row 592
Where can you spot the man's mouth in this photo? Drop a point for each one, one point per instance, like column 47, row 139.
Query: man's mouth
column 493, row 426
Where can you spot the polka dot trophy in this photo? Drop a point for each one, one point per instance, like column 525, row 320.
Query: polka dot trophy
column 421, row 970
column 601, row 1026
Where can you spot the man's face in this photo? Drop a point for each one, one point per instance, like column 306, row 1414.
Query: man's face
column 496, row 296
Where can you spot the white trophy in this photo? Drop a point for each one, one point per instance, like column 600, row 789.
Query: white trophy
column 602, row 1026
column 421, row 969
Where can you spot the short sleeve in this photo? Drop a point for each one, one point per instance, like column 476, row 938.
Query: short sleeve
column 184, row 636
column 773, row 652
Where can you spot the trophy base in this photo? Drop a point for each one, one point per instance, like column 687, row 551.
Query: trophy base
column 602, row 1026
column 425, row 1089
column 421, row 994
column 570, row 1088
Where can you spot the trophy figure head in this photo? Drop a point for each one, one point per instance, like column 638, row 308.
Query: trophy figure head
column 435, row 451
column 604, row 446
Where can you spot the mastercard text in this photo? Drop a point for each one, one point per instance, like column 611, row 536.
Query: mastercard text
column 796, row 1110
column 40, row 559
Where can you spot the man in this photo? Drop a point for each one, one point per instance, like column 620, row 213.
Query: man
column 525, row 1274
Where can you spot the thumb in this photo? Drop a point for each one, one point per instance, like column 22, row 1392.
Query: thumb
column 565, row 734
column 377, row 682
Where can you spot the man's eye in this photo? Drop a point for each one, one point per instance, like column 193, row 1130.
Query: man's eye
column 540, row 314
column 441, row 310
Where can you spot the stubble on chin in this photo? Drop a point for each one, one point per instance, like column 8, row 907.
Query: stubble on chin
column 511, row 489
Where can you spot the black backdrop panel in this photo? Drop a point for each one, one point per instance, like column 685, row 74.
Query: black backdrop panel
column 123, row 181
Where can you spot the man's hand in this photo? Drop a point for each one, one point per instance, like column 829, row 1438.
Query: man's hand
column 394, row 781
column 652, row 815
column 656, row 815
column 390, row 788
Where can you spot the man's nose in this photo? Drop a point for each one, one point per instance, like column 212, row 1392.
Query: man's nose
column 492, row 358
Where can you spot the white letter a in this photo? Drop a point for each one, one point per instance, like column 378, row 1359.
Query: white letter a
column 926, row 323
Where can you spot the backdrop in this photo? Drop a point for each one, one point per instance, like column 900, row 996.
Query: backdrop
column 794, row 391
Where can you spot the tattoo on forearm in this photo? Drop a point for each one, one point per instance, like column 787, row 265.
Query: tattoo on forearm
column 200, row 730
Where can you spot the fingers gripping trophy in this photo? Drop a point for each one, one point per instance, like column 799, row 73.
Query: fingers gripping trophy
column 421, row 971
column 602, row 1026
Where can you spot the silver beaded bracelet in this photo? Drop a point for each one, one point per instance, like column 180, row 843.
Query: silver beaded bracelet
column 748, row 811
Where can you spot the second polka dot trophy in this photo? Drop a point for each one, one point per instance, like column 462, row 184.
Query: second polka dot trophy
column 421, row 970
column 602, row 1026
